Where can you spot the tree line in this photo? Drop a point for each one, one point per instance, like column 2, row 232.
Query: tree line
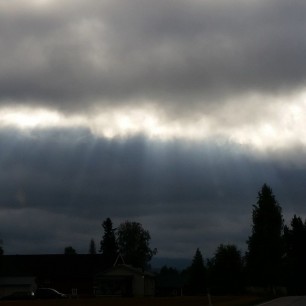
column 275, row 258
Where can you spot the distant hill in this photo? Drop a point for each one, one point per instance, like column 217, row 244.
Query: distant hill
column 178, row 263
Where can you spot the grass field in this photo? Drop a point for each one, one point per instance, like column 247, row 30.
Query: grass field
column 178, row 301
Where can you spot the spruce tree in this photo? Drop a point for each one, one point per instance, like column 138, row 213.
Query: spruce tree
column 265, row 244
column 197, row 275
column 295, row 248
column 226, row 270
column 108, row 244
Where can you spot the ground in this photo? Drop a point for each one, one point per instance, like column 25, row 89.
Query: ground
column 178, row 301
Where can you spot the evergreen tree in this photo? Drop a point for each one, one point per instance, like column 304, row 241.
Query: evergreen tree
column 295, row 247
column 227, row 270
column 197, row 284
column 265, row 247
column 92, row 247
column 108, row 244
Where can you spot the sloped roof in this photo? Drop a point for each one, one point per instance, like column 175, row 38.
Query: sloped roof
column 127, row 269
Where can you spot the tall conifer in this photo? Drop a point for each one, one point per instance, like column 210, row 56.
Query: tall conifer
column 265, row 244
column 108, row 244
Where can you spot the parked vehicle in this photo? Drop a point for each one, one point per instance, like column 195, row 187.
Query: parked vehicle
column 49, row 293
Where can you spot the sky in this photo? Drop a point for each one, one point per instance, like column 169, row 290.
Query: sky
column 169, row 113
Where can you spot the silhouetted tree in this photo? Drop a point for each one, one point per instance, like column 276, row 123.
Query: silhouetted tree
column 134, row 244
column 108, row 244
column 295, row 247
column 265, row 244
column 92, row 247
column 197, row 282
column 227, row 270
column 69, row 251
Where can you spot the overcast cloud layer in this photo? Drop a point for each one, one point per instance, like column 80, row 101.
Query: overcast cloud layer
column 171, row 52
column 171, row 113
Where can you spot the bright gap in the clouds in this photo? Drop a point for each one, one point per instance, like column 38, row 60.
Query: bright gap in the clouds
column 278, row 124
column 41, row 2
column 26, row 118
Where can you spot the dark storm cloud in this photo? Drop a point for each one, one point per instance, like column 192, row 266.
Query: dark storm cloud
column 169, row 52
column 57, row 187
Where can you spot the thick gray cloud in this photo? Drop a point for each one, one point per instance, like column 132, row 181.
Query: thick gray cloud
column 72, row 56
column 57, row 187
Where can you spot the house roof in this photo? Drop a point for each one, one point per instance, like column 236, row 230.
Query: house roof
column 126, row 268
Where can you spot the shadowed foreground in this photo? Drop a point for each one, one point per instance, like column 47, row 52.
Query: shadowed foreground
column 180, row 301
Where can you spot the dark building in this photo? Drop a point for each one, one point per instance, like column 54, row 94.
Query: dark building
column 79, row 275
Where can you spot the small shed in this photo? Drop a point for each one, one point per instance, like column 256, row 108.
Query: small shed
column 125, row 280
